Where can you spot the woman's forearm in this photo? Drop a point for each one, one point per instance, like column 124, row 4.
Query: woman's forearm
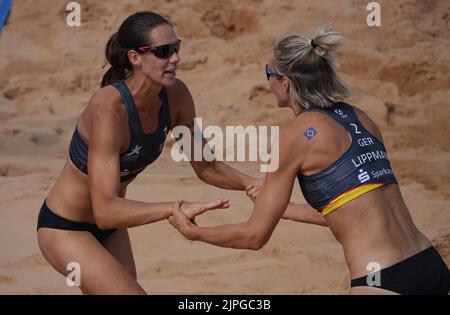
column 303, row 213
column 237, row 236
column 224, row 176
column 125, row 213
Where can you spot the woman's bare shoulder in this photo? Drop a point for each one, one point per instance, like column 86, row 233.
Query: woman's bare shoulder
column 105, row 103
column 368, row 123
column 106, row 95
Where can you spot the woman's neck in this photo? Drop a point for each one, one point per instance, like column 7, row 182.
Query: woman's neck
column 145, row 92
column 296, row 108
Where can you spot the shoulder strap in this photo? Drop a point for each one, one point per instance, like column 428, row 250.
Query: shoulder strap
column 342, row 113
column 127, row 100
column 166, row 108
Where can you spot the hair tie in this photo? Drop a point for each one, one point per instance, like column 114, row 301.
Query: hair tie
column 314, row 45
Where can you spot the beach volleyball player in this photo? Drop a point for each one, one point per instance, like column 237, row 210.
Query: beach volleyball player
column 337, row 154
column 85, row 216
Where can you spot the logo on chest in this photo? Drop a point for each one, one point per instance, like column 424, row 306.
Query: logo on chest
column 341, row 113
column 134, row 154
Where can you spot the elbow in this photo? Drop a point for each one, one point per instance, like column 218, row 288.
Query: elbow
column 104, row 224
column 102, row 220
column 102, row 216
column 257, row 241
column 255, row 237
column 256, row 246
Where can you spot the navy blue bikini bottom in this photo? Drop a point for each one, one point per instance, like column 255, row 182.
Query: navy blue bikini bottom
column 49, row 219
column 422, row 273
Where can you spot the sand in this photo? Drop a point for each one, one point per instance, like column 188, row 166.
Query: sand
column 48, row 71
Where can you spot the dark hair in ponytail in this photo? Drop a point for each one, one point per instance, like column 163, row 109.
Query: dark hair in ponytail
column 132, row 33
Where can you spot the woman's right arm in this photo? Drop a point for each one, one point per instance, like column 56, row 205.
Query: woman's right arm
column 107, row 138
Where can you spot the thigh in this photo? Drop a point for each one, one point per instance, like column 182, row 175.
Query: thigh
column 118, row 244
column 100, row 272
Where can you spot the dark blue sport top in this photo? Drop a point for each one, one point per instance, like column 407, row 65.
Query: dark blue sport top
column 143, row 149
column 362, row 168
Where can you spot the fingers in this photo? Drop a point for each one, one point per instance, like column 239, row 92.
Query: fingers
column 248, row 187
column 252, row 191
column 179, row 215
column 217, row 204
column 180, row 222
column 197, row 208
column 178, row 219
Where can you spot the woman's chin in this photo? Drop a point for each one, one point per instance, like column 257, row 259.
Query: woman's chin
column 169, row 81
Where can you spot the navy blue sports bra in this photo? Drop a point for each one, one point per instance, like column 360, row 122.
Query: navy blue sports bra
column 362, row 168
column 143, row 149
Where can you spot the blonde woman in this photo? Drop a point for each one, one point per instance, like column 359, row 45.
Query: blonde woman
column 337, row 153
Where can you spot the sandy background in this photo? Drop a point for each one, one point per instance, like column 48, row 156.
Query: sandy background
column 48, row 71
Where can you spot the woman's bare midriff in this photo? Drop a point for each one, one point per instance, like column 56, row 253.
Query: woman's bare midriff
column 376, row 227
column 70, row 197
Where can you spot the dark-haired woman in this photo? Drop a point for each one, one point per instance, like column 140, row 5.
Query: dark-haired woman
column 336, row 151
column 85, row 217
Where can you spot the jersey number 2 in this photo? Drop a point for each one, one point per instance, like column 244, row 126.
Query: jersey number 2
column 356, row 128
